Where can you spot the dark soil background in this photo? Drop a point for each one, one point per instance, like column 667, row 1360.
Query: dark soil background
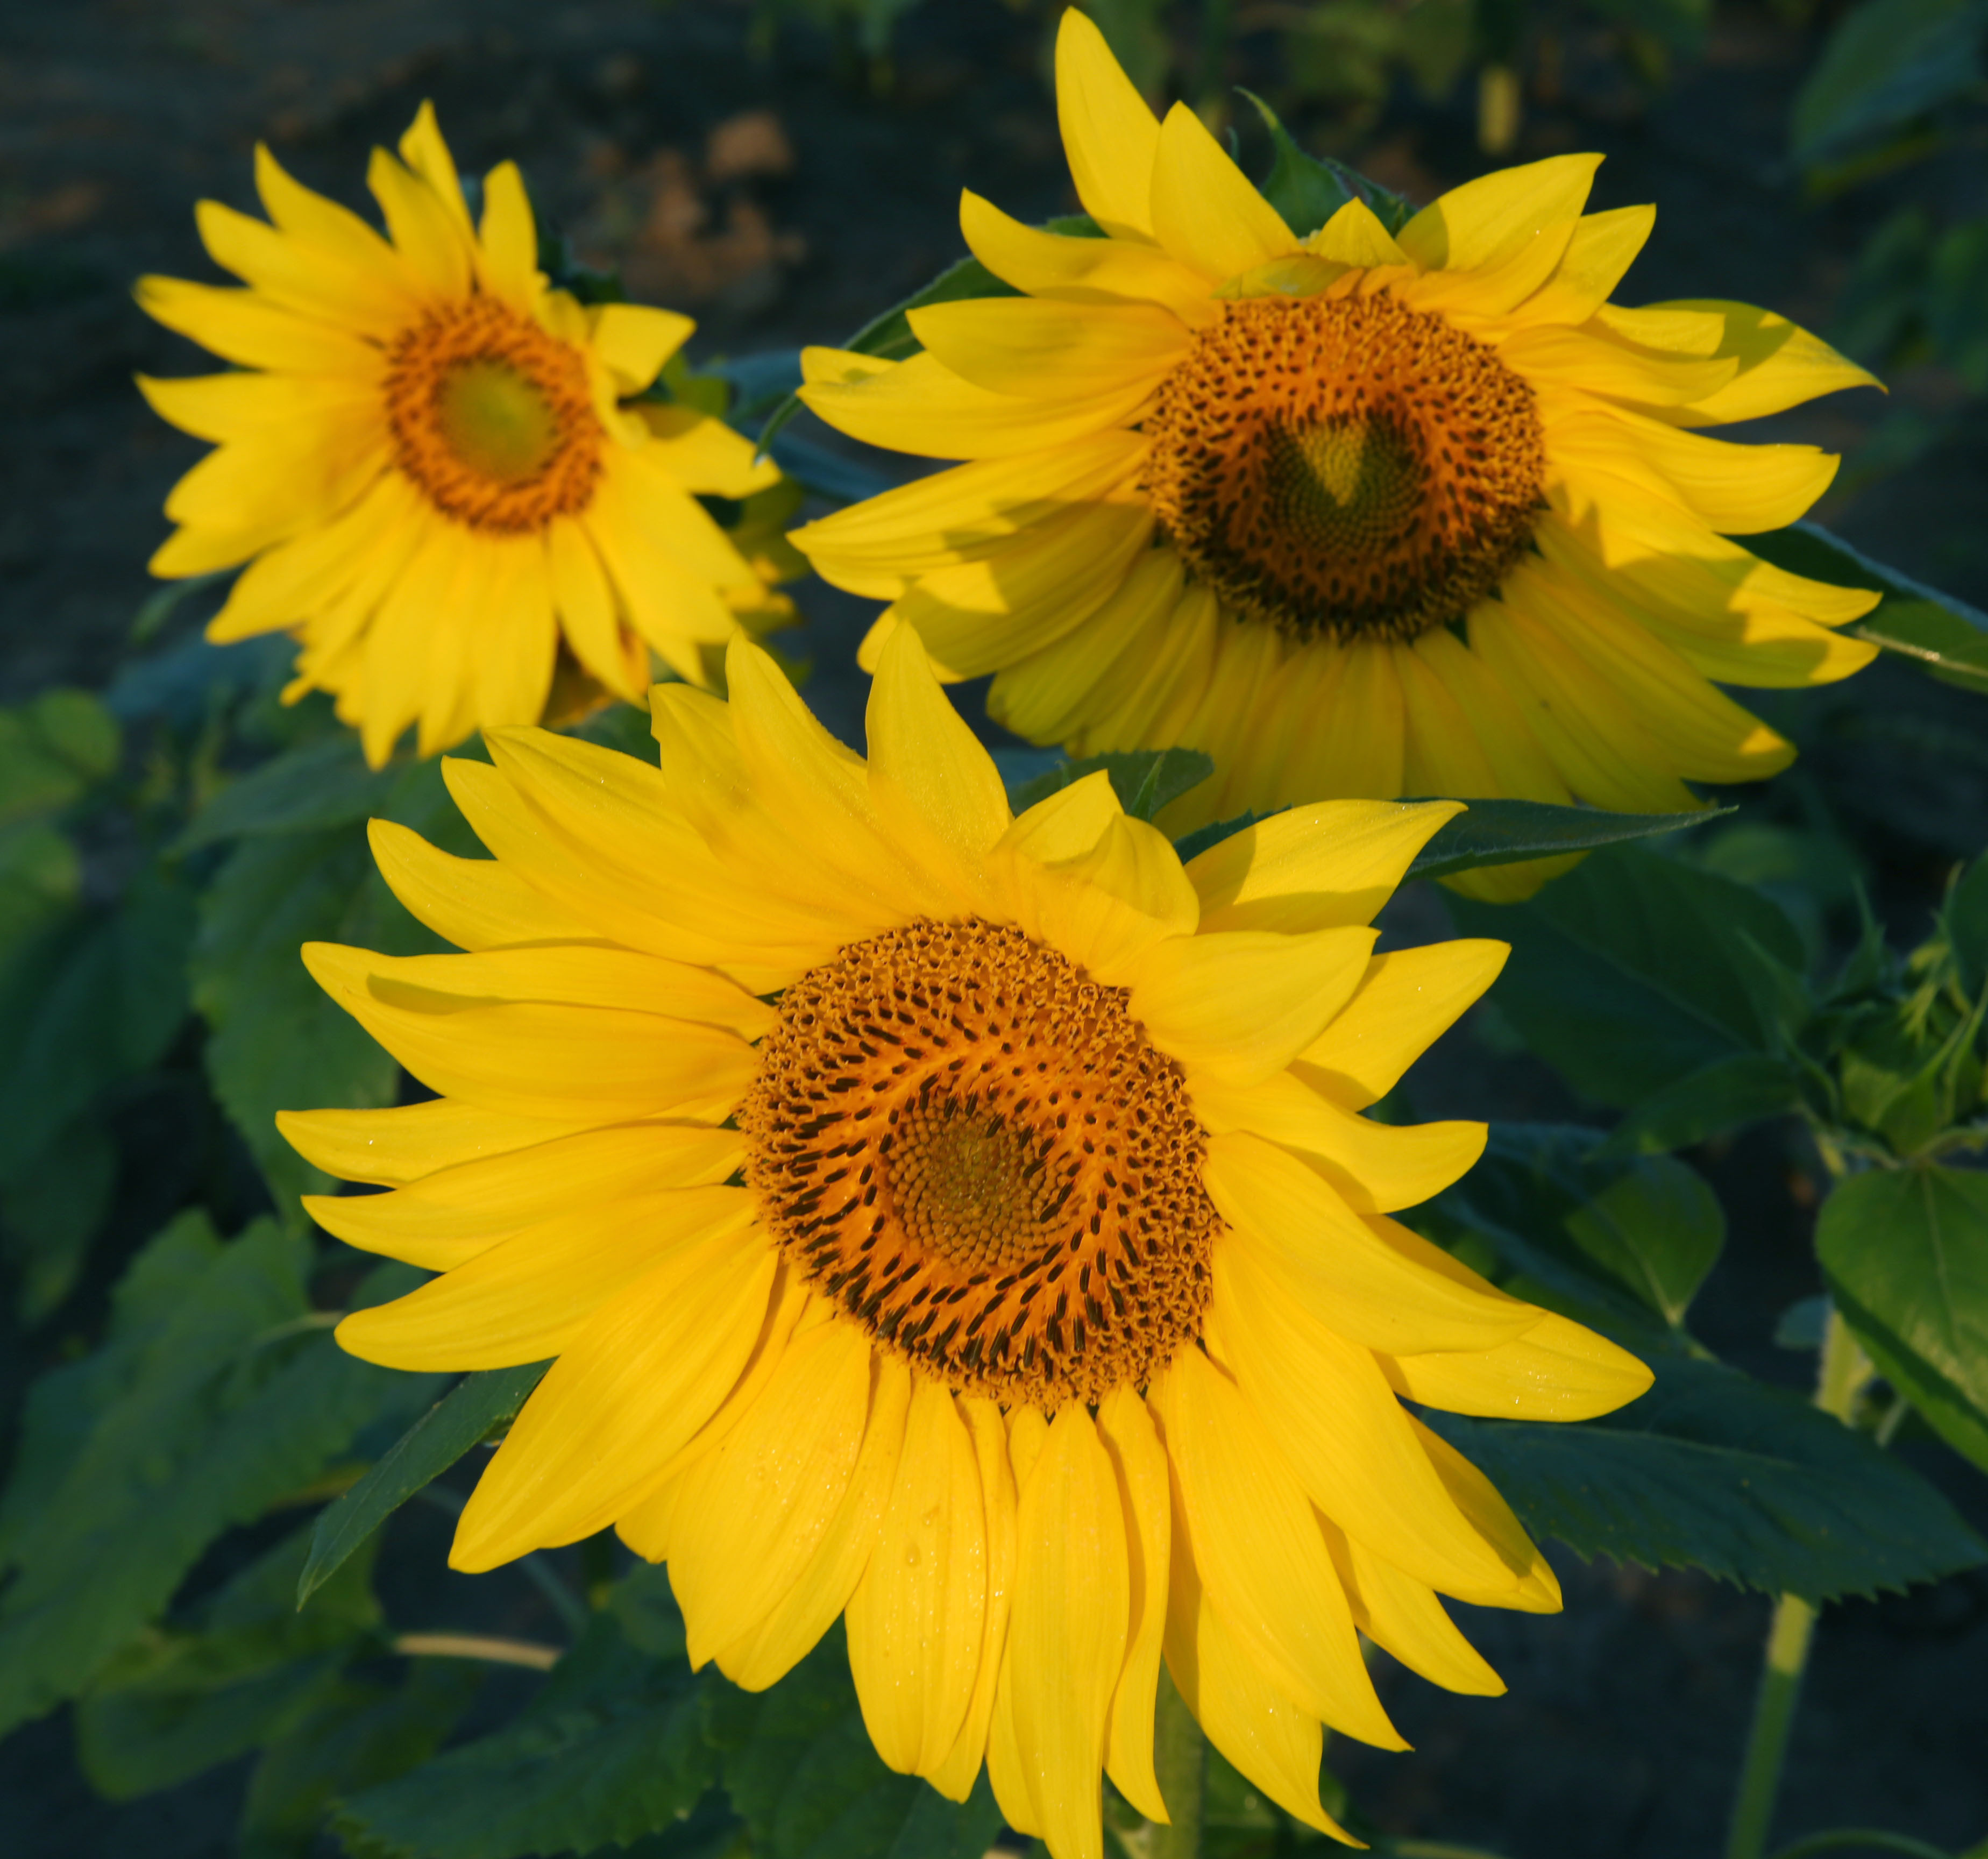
column 778, row 189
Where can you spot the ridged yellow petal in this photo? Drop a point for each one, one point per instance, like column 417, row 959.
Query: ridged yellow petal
column 1354, row 236
column 1071, row 270
column 1325, row 1257
column 455, row 1212
column 392, row 1148
column 532, row 1295
column 1332, row 864
column 1538, row 1590
column 1376, row 1167
column 922, row 405
column 1403, row 1615
column 367, row 298
column 1575, row 362
column 1206, row 213
column 244, row 326
column 1490, row 221
column 1347, row 1441
column 1779, row 365
column 922, row 747
column 1048, row 351
column 1557, row 1371
column 754, row 1514
column 1108, row 134
column 702, row 453
column 1407, row 1000
column 1257, row 1549
column 427, row 224
column 916, row 1619
column 1140, row 1460
column 645, row 1373
column 1599, row 253
column 954, row 1776
column 1239, row 1005
column 232, row 405
column 1067, row 1633
column 792, row 1630
column 1254, row 1724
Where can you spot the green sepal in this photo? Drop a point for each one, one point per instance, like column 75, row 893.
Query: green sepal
column 1308, row 189
column 467, row 1413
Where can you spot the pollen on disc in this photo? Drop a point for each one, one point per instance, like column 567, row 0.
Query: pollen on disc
column 1345, row 468
column 493, row 417
column 974, row 1149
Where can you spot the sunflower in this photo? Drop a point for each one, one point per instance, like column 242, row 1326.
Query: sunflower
column 426, row 459
column 1358, row 514
column 959, row 1223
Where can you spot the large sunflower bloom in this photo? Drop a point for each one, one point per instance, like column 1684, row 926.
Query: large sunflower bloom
column 1356, row 514
column 959, row 1222
column 427, row 464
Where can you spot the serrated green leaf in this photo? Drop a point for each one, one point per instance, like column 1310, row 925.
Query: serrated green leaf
column 1944, row 635
column 1304, row 190
column 1905, row 1254
column 1728, row 1094
column 612, row 1748
column 358, row 1735
column 1887, row 62
column 243, row 1670
column 800, row 1767
column 1145, row 780
column 422, row 1454
column 1506, row 832
column 307, row 788
column 1713, row 1470
column 1592, row 1225
column 1635, row 971
column 212, row 1398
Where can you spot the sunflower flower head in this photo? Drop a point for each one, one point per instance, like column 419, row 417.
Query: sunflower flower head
column 1357, row 512
column 430, row 461
column 961, row 1224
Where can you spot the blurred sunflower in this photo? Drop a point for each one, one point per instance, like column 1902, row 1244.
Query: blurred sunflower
column 958, row 1222
column 427, row 461
column 1356, row 514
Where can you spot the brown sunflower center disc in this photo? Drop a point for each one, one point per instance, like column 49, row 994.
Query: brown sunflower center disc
column 492, row 416
column 974, row 1149
column 1345, row 468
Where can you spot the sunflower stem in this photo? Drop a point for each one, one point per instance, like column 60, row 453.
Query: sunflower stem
column 1845, row 1370
column 1180, row 1761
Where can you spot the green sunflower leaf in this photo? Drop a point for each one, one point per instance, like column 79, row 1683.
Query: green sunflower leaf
column 1945, row 636
column 1506, row 832
column 52, row 751
column 1145, row 780
column 321, row 783
column 1306, row 191
column 465, row 1415
column 1635, row 971
column 217, row 1393
column 613, row 1748
column 1887, row 63
column 1905, row 1254
column 1713, row 1470
column 799, row 1766
column 245, row 1670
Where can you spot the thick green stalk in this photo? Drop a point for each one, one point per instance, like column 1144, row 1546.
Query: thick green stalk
column 1180, row 1760
column 1845, row 1369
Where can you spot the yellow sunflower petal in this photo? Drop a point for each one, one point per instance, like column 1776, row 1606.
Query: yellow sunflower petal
column 645, row 1373
column 1049, row 351
column 1402, row 1614
column 1408, row 1000
column 1205, row 212
column 916, row 1617
column 392, row 1148
column 1490, row 221
column 1071, row 270
column 1603, row 247
column 1335, row 1264
column 244, row 326
column 1257, row 1549
column 920, row 746
column 1067, row 1632
column 1333, row 864
column 1140, row 1460
column 428, row 227
column 1538, row 1591
column 1557, row 1371
column 1108, row 134
column 1779, row 365
column 1354, row 236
